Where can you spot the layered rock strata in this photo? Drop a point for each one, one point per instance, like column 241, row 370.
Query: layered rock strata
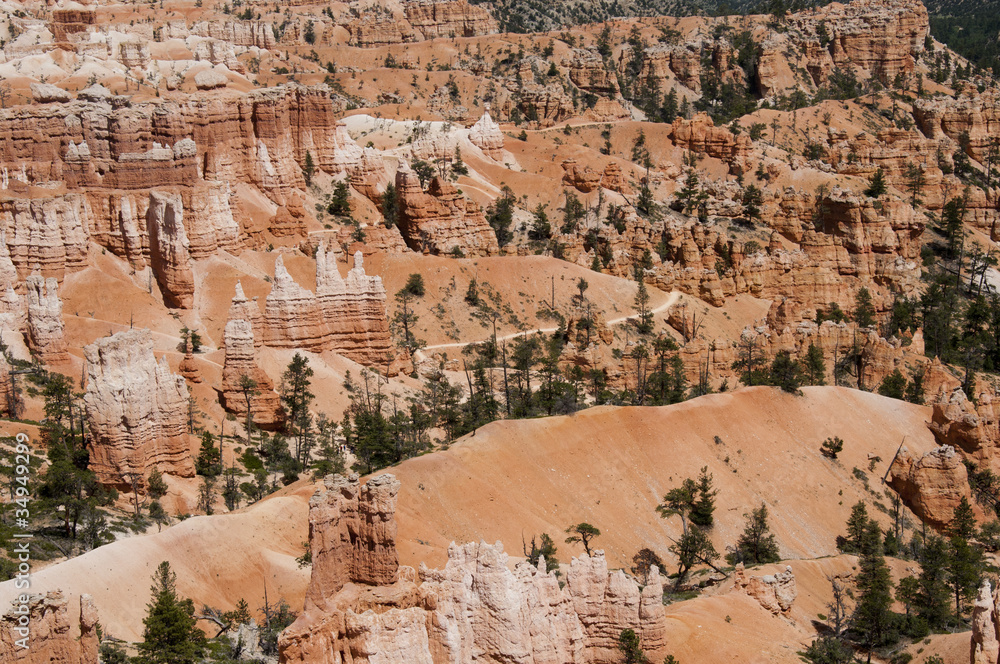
column 475, row 609
column 441, row 219
column 345, row 315
column 45, row 323
column 52, row 638
column 170, row 251
column 137, row 410
column 240, row 363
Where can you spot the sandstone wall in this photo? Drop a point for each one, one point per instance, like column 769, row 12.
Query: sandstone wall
column 137, row 411
column 52, row 638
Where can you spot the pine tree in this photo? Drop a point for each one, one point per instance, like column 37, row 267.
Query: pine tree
column 541, row 229
column 703, row 508
column 309, row 169
column 873, row 620
column 815, row 366
column 757, row 544
column 876, row 186
column 856, row 524
column 645, row 315
column 296, row 397
column 965, row 564
column 669, row 112
column 170, row 635
column 390, row 206
column 933, row 595
column 209, row 461
column 864, row 310
column 340, row 201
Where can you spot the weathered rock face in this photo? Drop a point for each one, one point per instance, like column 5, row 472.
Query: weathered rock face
column 775, row 592
column 352, row 534
column 45, row 323
column 448, row 18
column 588, row 72
column 420, row 20
column 486, row 136
column 188, row 366
column 441, row 219
column 872, row 37
column 475, row 609
column 985, row 643
column 931, row 485
column 343, row 315
column 137, row 411
column 196, row 146
column 46, row 234
column 265, row 405
column 169, row 250
column 700, row 134
column 51, row 638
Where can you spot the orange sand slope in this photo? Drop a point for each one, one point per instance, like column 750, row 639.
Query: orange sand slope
column 611, row 466
column 607, row 466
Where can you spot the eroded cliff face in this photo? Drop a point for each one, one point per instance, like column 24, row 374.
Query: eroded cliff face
column 985, row 641
column 45, row 323
column 931, row 485
column 137, row 410
column 362, row 607
column 343, row 315
column 441, row 219
column 52, row 638
column 170, row 251
column 419, row 20
column 240, row 363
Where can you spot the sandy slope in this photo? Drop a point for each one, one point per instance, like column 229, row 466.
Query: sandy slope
column 608, row 466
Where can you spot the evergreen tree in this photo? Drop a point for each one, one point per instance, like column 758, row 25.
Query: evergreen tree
column 644, row 321
column 786, row 373
column 209, row 461
column 864, row 310
column 546, row 548
column 752, row 200
column 390, row 206
column 814, row 365
column 692, row 548
column 296, row 397
column 856, row 524
column 541, row 229
column 757, row 544
column 500, row 216
column 170, row 635
column 933, row 594
column 873, row 620
column 877, row 185
column 340, row 201
column 966, row 562
column 309, row 169
column 703, row 507
column 582, row 533
column 630, row 647
column 893, row 385
column 669, row 112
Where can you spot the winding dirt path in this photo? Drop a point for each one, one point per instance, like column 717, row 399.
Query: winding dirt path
column 670, row 301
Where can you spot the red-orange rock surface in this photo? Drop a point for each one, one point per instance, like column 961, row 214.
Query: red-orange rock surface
column 441, row 219
column 52, row 639
column 931, row 485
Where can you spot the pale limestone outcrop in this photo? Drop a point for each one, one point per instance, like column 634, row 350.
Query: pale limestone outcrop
column 169, row 249
column 474, row 609
column 137, row 410
column 210, row 79
column 486, row 136
column 240, row 361
column 52, row 639
column 188, row 366
column 370, row 176
column 45, row 323
column 246, row 309
column 985, row 641
column 46, row 93
column 46, row 234
column 932, row 485
column 775, row 592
